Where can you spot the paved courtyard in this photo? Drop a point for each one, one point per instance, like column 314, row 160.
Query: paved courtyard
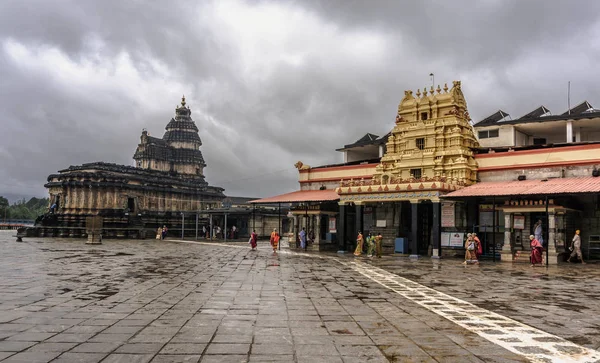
column 151, row 301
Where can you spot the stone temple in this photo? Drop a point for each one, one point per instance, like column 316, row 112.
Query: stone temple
column 166, row 182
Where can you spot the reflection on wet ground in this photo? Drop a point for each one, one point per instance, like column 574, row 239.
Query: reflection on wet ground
column 151, row 301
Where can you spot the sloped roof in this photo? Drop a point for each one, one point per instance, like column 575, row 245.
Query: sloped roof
column 579, row 109
column 368, row 139
column 537, row 113
column 301, row 196
column 493, row 118
column 530, row 187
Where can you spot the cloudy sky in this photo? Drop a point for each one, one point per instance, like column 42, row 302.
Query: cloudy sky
column 269, row 82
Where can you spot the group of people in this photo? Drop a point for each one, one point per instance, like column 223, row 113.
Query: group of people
column 373, row 244
column 161, row 232
column 473, row 249
column 274, row 240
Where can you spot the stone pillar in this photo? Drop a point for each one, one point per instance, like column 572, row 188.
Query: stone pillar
column 317, row 231
column 552, row 254
column 359, row 217
column 437, row 221
column 296, row 231
column 506, row 253
column 569, row 131
column 341, row 228
column 414, row 217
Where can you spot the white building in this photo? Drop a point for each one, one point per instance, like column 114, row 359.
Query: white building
column 540, row 127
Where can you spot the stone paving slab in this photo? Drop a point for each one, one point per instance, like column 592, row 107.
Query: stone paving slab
column 148, row 301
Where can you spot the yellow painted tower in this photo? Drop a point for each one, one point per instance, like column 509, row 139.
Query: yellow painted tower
column 432, row 140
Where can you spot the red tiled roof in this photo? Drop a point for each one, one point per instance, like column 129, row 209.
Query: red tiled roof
column 530, row 187
column 301, row 196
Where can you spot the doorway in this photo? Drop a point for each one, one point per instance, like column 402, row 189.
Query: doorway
column 424, row 224
column 131, row 204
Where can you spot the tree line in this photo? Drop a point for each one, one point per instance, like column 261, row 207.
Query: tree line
column 22, row 209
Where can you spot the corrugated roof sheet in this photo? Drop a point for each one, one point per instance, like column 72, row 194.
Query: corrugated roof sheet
column 530, row 187
column 301, row 196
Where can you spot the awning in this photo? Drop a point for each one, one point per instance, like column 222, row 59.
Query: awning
column 301, row 196
column 530, row 187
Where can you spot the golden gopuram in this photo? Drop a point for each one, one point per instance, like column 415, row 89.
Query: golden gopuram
column 429, row 153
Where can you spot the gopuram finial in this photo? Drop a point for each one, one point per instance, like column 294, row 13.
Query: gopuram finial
column 183, row 101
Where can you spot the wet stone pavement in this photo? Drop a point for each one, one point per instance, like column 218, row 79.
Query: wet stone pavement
column 149, row 301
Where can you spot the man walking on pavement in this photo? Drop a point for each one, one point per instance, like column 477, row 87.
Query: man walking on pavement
column 576, row 247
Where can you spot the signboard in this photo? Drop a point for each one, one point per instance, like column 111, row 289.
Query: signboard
column 457, row 239
column 519, row 222
column 448, row 216
column 381, row 223
column 452, row 239
column 332, row 225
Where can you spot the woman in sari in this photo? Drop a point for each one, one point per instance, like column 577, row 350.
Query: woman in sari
column 359, row 244
column 479, row 250
column 253, row 240
column 470, row 250
column 370, row 245
column 536, row 251
column 274, row 240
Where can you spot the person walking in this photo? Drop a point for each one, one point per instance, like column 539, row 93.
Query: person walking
column 274, row 240
column 204, row 231
column 479, row 250
column 378, row 241
column 159, row 233
column 359, row 244
column 253, row 240
column 536, row 251
column 470, row 250
column 370, row 244
column 302, row 235
column 576, row 247
column 164, row 232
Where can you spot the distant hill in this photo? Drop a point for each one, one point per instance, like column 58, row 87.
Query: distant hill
column 13, row 198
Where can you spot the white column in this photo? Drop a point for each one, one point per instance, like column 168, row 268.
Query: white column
column 569, row 131
column 578, row 134
column 506, row 253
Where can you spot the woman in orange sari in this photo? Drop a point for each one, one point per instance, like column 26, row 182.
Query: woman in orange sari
column 536, row 251
column 359, row 244
column 274, row 240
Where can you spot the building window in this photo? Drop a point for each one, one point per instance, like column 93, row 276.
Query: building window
column 416, row 173
column 423, row 116
column 421, row 143
column 486, row 134
column 539, row 141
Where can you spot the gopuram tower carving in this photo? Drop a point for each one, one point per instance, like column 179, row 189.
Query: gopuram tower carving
column 431, row 140
column 429, row 151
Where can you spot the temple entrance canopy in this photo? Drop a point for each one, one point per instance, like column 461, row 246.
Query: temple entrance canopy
column 428, row 154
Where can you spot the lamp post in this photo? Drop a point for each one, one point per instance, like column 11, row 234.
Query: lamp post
column 432, row 79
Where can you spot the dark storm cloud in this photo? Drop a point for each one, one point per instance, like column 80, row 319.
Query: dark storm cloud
column 269, row 83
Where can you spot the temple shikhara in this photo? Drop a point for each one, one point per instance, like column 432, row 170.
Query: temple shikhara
column 168, row 179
